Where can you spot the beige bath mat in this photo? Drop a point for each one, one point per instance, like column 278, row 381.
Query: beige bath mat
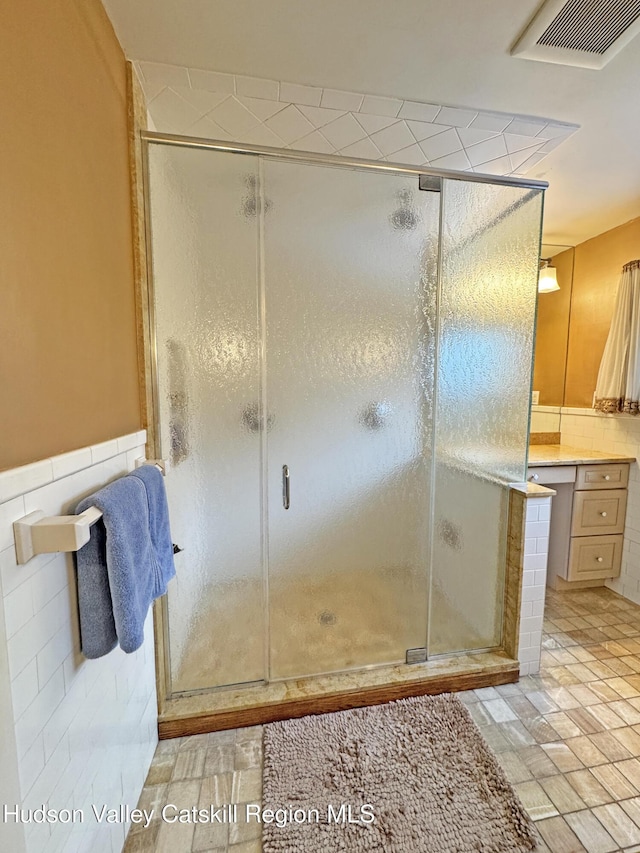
column 419, row 767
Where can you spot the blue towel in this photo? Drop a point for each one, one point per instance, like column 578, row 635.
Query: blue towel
column 126, row 563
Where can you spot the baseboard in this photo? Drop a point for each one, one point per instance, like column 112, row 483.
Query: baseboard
column 561, row 585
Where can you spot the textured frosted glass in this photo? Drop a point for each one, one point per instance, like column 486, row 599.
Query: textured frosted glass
column 490, row 244
column 296, row 326
column 350, row 270
column 204, row 241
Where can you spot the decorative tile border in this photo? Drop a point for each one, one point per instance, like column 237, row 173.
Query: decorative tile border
column 26, row 478
column 255, row 111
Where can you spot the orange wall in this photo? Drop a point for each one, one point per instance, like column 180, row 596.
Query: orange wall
column 552, row 331
column 597, row 268
column 68, row 364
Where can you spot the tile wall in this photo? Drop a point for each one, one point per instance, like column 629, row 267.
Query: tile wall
column 534, row 577
column 279, row 114
column 616, row 434
column 74, row 732
column 545, row 418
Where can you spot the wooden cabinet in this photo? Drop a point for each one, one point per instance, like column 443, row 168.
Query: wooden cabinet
column 587, row 521
column 599, row 511
column 594, row 557
column 602, row 477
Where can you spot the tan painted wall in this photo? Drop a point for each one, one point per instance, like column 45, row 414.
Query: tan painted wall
column 68, row 364
column 598, row 264
column 552, row 332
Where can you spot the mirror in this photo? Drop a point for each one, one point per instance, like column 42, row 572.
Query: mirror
column 552, row 335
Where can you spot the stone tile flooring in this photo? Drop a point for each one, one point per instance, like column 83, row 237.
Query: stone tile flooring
column 219, row 768
column 568, row 739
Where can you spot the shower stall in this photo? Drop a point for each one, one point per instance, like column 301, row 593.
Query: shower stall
column 341, row 358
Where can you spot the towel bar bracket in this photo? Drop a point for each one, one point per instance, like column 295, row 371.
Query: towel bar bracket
column 162, row 464
column 37, row 534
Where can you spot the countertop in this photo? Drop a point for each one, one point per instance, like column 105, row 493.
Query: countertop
column 564, row 454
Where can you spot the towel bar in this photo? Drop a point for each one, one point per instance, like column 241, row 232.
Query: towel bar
column 39, row 534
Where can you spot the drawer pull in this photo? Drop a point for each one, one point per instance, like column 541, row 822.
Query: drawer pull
column 535, row 476
column 599, row 559
column 607, row 477
column 603, row 514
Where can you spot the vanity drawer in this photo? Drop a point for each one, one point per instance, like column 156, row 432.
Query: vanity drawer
column 551, row 474
column 598, row 512
column 594, row 557
column 602, row 476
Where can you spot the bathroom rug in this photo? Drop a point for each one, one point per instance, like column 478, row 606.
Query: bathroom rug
column 410, row 776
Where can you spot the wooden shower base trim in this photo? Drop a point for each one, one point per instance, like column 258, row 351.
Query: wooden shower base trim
column 252, row 706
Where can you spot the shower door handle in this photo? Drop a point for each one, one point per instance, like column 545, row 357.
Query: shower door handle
column 286, row 494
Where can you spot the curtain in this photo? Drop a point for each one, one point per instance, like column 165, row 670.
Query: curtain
column 618, row 384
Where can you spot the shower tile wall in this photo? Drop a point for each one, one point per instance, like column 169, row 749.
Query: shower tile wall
column 261, row 112
column 75, row 732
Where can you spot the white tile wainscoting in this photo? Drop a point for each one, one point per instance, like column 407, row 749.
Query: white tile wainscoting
column 261, row 112
column 615, row 434
column 534, row 578
column 73, row 732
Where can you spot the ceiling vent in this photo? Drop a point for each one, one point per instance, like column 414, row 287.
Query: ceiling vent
column 584, row 33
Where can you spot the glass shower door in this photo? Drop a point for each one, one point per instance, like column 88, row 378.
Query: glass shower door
column 204, row 237
column 349, row 271
column 342, row 393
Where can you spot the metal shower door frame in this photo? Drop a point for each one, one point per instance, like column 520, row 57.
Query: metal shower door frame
column 429, row 180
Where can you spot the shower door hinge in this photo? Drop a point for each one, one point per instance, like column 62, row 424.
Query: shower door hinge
column 416, row 655
column 430, row 183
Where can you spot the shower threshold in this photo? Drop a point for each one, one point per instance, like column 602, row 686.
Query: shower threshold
column 263, row 703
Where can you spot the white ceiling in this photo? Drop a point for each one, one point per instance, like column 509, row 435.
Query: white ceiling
column 454, row 52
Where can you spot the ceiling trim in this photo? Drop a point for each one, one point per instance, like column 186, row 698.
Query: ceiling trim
column 280, row 114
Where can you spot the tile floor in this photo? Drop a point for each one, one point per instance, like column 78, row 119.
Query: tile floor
column 568, row 739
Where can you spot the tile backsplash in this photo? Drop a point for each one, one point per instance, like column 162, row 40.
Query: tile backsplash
column 278, row 114
column 80, row 732
column 545, row 418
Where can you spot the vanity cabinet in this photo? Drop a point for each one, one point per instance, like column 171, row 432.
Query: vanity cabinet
column 587, row 522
